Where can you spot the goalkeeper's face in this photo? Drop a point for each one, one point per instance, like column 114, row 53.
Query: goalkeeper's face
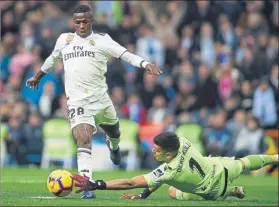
column 162, row 155
column 83, row 23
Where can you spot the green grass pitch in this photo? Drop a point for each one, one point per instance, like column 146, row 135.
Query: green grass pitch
column 27, row 187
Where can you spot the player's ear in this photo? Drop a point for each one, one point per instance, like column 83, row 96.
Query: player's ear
column 168, row 154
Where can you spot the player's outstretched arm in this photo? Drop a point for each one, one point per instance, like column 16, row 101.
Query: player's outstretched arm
column 143, row 195
column 35, row 80
column 85, row 184
column 47, row 67
column 137, row 61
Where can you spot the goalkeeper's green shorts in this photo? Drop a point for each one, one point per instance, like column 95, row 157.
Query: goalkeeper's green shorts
column 232, row 169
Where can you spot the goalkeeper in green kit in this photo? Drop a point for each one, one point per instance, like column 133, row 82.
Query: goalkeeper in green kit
column 190, row 175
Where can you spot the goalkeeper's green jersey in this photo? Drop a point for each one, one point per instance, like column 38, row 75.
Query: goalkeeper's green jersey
column 190, row 172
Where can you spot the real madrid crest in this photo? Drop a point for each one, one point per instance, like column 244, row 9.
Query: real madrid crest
column 92, row 42
column 69, row 38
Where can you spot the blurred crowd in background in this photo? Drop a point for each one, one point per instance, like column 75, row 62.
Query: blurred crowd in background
column 219, row 62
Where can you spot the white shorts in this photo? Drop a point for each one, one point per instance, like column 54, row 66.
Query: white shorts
column 95, row 113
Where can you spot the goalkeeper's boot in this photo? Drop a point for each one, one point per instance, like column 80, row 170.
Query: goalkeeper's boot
column 115, row 155
column 238, row 191
column 88, row 195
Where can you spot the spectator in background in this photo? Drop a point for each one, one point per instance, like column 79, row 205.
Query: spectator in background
column 5, row 62
column 46, row 42
column 164, row 23
column 246, row 96
column 15, row 141
column 19, row 12
column 46, row 100
column 206, row 45
column 12, row 86
column 118, row 99
column 217, row 135
column 134, row 110
column 248, row 66
column 125, row 33
column 115, row 73
column 20, row 109
column 232, row 8
column 171, row 59
column 149, row 47
column 188, row 39
column 158, row 110
column 205, row 85
column 33, row 97
column 184, row 118
column 247, row 19
column 201, row 117
column 198, row 12
column 231, row 105
column 225, row 85
column 235, row 124
column 19, row 61
column 184, row 99
column 33, row 134
column 273, row 80
column 149, row 89
column 169, row 123
column 27, row 37
column 264, row 105
column 61, row 108
column 130, row 73
column 102, row 26
column 186, row 73
column 56, row 20
column 168, row 86
column 272, row 51
column 226, row 34
column 250, row 140
column 8, row 24
column 6, row 111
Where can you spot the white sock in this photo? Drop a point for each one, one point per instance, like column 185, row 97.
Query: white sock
column 84, row 162
column 114, row 142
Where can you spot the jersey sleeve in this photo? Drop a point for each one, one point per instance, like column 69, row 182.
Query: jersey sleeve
column 156, row 177
column 49, row 63
column 112, row 48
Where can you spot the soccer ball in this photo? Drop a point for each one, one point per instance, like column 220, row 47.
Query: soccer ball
column 60, row 183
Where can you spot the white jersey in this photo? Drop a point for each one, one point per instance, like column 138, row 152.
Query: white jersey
column 85, row 64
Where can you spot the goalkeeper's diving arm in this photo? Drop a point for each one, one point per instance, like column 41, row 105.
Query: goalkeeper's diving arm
column 120, row 184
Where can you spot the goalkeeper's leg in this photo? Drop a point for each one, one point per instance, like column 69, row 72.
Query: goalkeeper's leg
column 179, row 195
column 256, row 162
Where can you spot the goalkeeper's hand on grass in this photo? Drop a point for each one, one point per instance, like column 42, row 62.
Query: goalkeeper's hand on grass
column 84, row 183
column 132, row 196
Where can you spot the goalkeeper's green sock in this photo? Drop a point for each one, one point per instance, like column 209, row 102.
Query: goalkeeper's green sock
column 255, row 162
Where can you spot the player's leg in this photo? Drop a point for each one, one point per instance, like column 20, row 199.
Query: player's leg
column 82, row 122
column 112, row 140
column 108, row 121
column 179, row 195
column 255, row 162
column 82, row 134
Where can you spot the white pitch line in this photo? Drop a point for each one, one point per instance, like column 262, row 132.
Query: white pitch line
column 23, row 181
column 43, row 197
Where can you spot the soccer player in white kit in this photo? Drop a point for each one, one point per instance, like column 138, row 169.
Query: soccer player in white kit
column 85, row 55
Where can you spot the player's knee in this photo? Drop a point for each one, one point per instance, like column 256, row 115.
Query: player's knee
column 117, row 133
column 83, row 134
column 112, row 131
column 172, row 192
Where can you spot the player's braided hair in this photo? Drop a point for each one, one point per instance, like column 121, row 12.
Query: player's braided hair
column 82, row 9
column 168, row 141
